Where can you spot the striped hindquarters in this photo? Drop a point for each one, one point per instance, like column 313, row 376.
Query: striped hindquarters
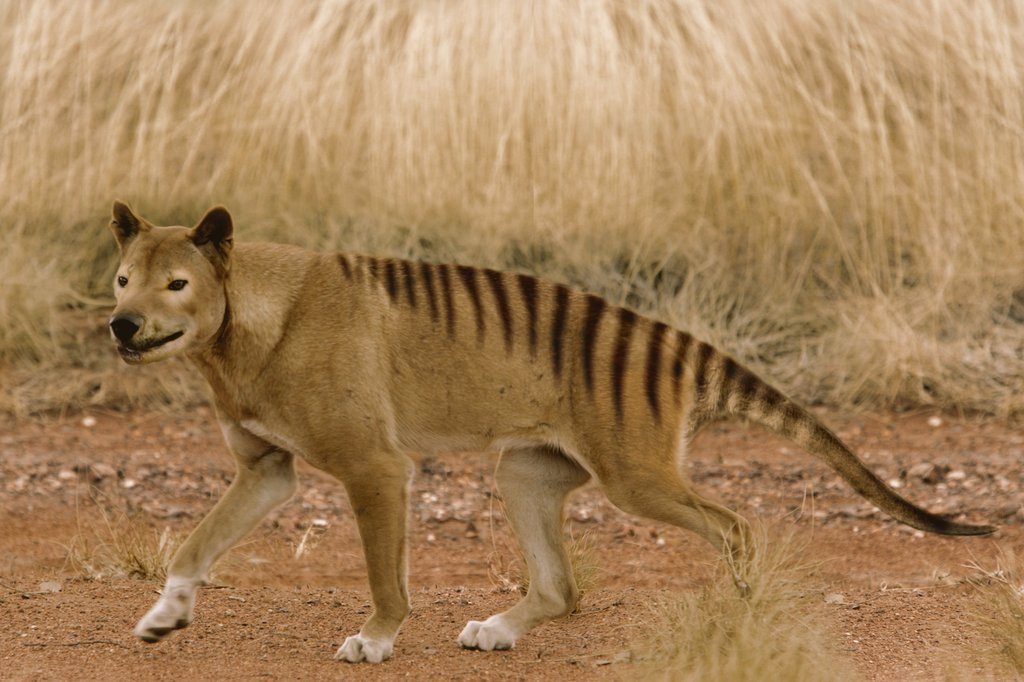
column 618, row 356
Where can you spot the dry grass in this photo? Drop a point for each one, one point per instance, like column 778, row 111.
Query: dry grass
column 718, row 635
column 122, row 546
column 309, row 541
column 1001, row 611
column 829, row 189
column 506, row 565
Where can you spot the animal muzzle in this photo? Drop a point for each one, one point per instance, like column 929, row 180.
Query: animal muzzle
column 124, row 327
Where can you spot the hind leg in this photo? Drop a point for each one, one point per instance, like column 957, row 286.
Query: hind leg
column 533, row 484
column 668, row 497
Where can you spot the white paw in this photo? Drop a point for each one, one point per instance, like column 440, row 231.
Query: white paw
column 358, row 648
column 487, row 635
column 172, row 611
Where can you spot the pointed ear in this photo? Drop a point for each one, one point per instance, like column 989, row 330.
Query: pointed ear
column 125, row 224
column 213, row 236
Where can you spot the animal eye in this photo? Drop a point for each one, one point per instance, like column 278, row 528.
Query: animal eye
column 177, row 285
column 122, row 281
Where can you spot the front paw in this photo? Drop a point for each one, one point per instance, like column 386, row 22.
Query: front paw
column 161, row 620
column 487, row 635
column 172, row 611
column 358, row 648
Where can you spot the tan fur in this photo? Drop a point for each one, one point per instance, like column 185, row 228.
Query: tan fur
column 349, row 361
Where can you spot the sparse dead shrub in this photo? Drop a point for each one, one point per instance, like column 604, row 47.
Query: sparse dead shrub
column 716, row 634
column 122, row 546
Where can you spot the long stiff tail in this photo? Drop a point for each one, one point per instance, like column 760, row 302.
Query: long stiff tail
column 739, row 392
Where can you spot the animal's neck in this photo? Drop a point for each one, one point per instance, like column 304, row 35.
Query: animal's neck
column 260, row 292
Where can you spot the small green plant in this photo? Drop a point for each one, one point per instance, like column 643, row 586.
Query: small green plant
column 769, row 633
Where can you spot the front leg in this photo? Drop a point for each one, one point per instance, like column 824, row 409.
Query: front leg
column 379, row 497
column 265, row 478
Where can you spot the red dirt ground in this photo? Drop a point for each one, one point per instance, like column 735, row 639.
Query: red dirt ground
column 898, row 604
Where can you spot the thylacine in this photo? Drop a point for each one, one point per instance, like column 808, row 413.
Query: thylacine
column 348, row 361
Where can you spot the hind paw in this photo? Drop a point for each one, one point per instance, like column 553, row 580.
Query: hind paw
column 358, row 648
column 487, row 635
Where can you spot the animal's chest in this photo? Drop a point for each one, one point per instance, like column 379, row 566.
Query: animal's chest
column 278, row 437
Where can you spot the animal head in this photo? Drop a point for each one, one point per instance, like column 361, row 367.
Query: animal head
column 169, row 285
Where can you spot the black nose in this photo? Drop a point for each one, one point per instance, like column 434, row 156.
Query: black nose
column 125, row 326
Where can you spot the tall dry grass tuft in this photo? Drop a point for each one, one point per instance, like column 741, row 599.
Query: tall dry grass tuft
column 829, row 189
column 1001, row 611
column 719, row 635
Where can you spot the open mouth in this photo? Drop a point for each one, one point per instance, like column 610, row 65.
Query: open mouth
column 136, row 351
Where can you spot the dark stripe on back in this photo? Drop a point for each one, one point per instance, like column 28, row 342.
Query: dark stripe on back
column 391, row 279
column 497, row 282
column 745, row 387
column 748, row 386
column 410, row 282
column 683, row 341
column 374, row 265
column 730, row 372
column 770, row 398
column 700, row 369
column 792, row 414
column 427, row 274
column 561, row 314
column 774, row 403
column 449, row 304
column 654, row 365
column 468, row 276
column 528, row 288
column 591, row 322
column 620, row 358
column 345, row 267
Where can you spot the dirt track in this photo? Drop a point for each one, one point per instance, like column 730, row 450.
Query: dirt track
column 897, row 604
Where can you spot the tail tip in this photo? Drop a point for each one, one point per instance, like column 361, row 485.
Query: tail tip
column 953, row 528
